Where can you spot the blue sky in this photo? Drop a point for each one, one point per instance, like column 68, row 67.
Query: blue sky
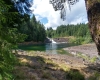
column 44, row 20
column 45, row 13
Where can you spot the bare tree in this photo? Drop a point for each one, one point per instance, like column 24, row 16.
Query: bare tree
column 93, row 13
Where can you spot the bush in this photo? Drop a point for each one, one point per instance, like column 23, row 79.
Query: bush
column 77, row 40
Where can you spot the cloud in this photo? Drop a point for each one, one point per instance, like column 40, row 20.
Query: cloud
column 42, row 9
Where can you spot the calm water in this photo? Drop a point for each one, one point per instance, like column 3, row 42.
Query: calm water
column 56, row 48
column 49, row 48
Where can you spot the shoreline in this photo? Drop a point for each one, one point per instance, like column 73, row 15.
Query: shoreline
column 86, row 49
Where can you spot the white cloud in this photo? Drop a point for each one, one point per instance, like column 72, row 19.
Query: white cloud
column 42, row 9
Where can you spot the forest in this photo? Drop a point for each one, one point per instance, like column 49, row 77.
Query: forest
column 33, row 29
column 80, row 32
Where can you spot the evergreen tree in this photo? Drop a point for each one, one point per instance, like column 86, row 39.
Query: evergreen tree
column 34, row 30
column 10, row 21
column 79, row 31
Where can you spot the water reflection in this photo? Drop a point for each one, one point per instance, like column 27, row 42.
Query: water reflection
column 51, row 48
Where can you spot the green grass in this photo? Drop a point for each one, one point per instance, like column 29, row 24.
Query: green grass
column 61, row 51
column 0, row 77
column 92, row 60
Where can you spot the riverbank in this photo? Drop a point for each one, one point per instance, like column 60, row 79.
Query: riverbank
column 30, row 43
column 86, row 49
column 37, row 65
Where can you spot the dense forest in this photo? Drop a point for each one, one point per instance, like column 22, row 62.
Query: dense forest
column 80, row 32
column 33, row 29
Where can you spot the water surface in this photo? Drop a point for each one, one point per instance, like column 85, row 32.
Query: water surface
column 49, row 48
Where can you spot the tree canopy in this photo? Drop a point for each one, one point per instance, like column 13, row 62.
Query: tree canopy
column 34, row 30
column 80, row 32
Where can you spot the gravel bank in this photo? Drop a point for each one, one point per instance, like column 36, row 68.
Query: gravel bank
column 87, row 49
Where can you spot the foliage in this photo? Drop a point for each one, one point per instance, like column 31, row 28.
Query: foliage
column 85, row 57
column 7, row 60
column 61, row 5
column 23, row 6
column 49, row 32
column 79, row 31
column 33, row 29
column 32, row 47
column 10, row 21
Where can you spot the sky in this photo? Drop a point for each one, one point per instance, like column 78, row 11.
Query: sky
column 45, row 13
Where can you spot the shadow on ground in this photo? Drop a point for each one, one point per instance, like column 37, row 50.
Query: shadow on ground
column 39, row 68
column 94, row 71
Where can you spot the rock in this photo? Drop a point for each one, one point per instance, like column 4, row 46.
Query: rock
column 61, row 39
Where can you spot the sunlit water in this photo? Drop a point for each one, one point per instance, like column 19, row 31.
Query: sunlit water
column 52, row 48
column 49, row 48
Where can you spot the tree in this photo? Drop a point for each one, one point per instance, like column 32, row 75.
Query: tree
column 93, row 12
column 10, row 21
column 34, row 30
column 49, row 32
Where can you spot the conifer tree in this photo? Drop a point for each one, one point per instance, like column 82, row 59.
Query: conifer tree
column 10, row 21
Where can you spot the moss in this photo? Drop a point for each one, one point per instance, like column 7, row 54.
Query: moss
column 92, row 60
column 61, row 51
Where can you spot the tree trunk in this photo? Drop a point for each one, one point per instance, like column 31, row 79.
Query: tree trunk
column 93, row 13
